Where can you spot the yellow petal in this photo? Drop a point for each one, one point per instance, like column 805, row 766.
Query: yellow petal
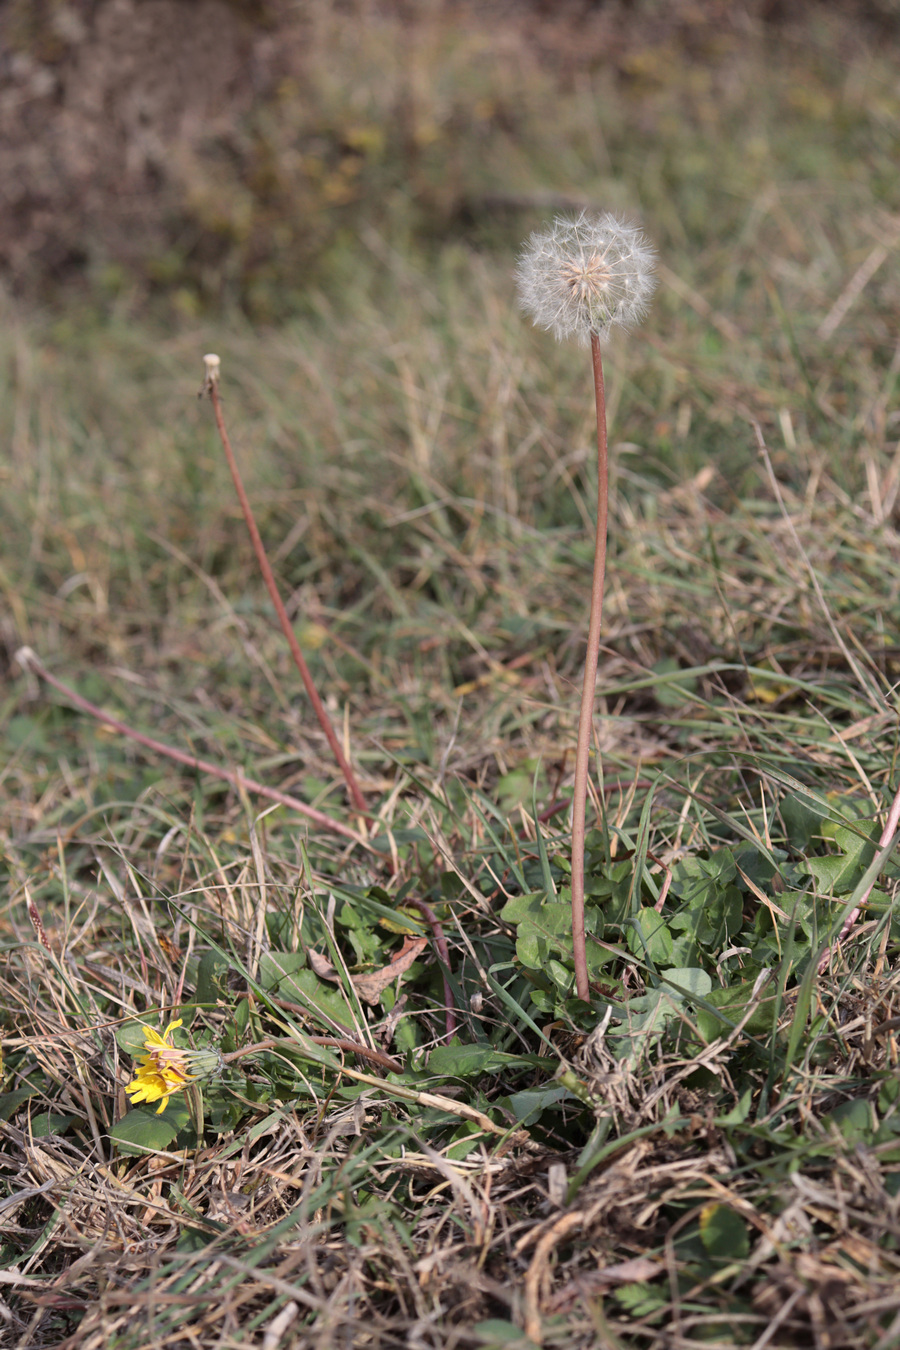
column 139, row 1092
column 160, row 1040
column 150, row 1084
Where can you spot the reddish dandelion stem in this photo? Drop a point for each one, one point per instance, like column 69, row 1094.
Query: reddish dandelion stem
column 28, row 660
column 211, row 386
column 443, row 951
column 887, row 836
column 585, row 721
column 581, row 278
column 339, row 1043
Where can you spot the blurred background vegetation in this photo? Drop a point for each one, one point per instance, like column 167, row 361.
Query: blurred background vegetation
column 241, row 152
column 331, row 196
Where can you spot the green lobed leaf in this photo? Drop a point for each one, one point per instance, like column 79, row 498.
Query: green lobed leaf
column 732, row 1002
column 11, row 1101
column 467, row 1061
column 529, row 1105
column 277, row 968
column 649, row 937
column 47, row 1123
column 641, row 1299
column 210, row 971
column 522, row 907
column 300, row 985
column 724, row 1233
column 802, row 821
column 693, row 876
column 740, row 1112
column 840, row 872
column 141, row 1130
column 687, row 980
column 855, row 1121
column 544, row 928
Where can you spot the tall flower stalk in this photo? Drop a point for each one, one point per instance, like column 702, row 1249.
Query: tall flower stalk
column 211, row 387
column 581, row 278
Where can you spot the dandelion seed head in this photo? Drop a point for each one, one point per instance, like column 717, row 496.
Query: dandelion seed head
column 585, row 276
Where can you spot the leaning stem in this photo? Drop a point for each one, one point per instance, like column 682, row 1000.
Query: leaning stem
column 887, row 835
column 337, row 1042
column 585, row 720
column 28, row 660
column 359, row 801
column 443, row 955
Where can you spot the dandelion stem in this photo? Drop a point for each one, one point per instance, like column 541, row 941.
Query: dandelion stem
column 443, row 953
column 212, row 388
column 585, row 721
column 338, row 1043
column 581, row 278
column 888, row 836
column 28, row 660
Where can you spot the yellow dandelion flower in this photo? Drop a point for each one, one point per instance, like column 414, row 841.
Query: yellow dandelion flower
column 160, row 1050
column 164, row 1069
column 161, row 1071
column 150, row 1086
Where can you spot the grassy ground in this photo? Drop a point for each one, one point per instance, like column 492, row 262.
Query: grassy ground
column 709, row 1153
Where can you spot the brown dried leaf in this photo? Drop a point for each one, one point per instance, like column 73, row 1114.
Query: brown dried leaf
column 370, row 987
column 321, row 966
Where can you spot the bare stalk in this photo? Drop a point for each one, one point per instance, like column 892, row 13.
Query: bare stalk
column 443, row 952
column 28, row 660
column 585, row 721
column 887, row 836
column 211, row 386
column 339, row 1043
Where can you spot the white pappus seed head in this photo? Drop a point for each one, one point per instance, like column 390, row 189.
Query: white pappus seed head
column 583, row 276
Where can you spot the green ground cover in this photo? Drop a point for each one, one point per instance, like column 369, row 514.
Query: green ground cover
column 709, row 1152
